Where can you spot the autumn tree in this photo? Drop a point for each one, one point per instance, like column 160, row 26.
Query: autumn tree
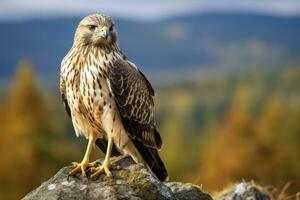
column 25, row 134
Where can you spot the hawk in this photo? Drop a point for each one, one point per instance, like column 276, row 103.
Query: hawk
column 109, row 100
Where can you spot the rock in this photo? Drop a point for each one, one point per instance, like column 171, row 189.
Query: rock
column 132, row 181
column 187, row 191
column 244, row 191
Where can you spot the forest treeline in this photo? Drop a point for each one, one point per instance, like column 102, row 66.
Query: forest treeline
column 216, row 130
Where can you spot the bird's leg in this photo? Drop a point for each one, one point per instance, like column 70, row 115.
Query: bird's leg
column 96, row 171
column 84, row 164
column 114, row 161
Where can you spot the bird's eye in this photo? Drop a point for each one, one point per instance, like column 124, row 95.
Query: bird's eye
column 92, row 27
column 111, row 27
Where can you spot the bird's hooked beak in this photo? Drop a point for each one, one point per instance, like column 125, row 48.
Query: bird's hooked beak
column 103, row 32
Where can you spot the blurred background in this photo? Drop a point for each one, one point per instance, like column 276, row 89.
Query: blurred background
column 226, row 74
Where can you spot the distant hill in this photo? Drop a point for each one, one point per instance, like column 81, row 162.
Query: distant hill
column 230, row 41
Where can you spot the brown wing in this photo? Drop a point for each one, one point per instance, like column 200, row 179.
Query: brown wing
column 62, row 87
column 134, row 98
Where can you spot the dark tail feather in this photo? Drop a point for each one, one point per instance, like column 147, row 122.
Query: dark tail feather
column 151, row 157
column 102, row 144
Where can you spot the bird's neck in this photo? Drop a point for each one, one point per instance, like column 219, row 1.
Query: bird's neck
column 101, row 56
column 99, row 49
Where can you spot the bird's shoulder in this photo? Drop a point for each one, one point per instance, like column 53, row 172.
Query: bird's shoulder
column 126, row 72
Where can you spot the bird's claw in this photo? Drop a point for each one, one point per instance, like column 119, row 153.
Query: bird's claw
column 104, row 168
column 81, row 167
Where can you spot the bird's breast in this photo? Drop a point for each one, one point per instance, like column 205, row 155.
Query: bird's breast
column 86, row 88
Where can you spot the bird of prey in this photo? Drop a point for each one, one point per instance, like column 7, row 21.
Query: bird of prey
column 109, row 100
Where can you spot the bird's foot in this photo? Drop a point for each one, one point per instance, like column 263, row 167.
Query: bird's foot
column 81, row 167
column 104, row 168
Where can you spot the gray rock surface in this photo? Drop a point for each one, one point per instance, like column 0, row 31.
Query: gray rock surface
column 244, row 191
column 132, row 181
column 187, row 191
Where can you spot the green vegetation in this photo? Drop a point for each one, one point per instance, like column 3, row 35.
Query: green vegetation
column 217, row 129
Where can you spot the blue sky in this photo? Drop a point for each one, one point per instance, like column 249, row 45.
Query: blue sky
column 140, row 9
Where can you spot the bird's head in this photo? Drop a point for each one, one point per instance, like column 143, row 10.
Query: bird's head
column 96, row 30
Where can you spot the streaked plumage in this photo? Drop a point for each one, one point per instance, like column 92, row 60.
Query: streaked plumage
column 108, row 98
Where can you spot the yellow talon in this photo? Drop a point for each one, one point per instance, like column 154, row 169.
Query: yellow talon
column 85, row 164
column 77, row 167
column 104, row 168
column 106, row 164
